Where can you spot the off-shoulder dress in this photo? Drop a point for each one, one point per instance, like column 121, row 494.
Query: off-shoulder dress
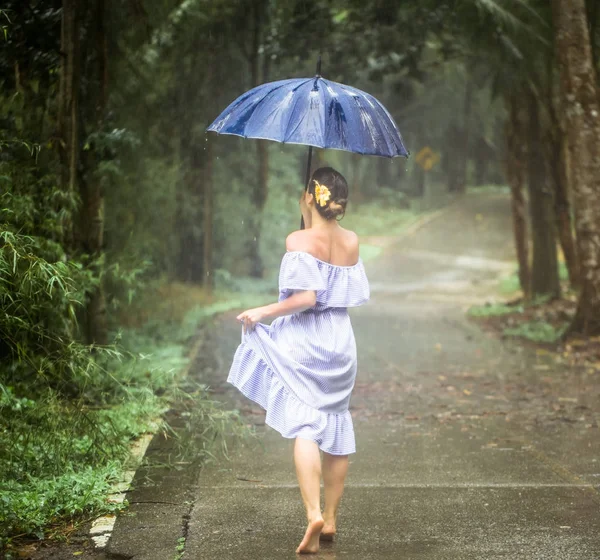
column 301, row 369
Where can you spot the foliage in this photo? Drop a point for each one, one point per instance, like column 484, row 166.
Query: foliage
column 494, row 310
column 537, row 331
column 49, row 443
column 210, row 428
column 58, row 458
column 151, row 78
column 377, row 218
column 510, row 284
column 31, row 507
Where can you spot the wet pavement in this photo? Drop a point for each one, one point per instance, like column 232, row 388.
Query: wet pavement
column 468, row 447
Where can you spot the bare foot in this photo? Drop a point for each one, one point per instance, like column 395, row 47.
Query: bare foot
column 328, row 532
column 310, row 542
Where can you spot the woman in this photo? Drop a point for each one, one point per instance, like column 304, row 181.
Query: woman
column 302, row 368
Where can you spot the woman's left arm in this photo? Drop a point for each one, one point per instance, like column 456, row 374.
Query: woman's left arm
column 296, row 303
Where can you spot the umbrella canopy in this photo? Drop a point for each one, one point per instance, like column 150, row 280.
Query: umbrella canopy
column 313, row 112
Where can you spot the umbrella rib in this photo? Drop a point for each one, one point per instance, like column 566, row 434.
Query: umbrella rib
column 287, row 133
column 389, row 123
column 256, row 105
column 297, row 112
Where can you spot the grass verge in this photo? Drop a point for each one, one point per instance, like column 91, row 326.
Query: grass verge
column 59, row 457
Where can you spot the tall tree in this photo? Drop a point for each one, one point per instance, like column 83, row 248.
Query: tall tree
column 82, row 102
column 516, row 158
column 579, row 93
column 91, row 183
column 544, row 268
column 68, row 101
column 258, row 59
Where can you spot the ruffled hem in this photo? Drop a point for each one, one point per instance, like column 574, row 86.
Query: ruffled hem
column 292, row 418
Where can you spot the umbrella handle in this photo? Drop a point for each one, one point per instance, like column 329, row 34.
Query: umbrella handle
column 308, row 163
column 310, row 149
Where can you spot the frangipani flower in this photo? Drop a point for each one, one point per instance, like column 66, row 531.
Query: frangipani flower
column 322, row 194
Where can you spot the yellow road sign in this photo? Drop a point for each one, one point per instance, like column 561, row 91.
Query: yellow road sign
column 427, row 158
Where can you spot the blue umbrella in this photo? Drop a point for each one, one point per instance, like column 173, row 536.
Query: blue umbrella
column 314, row 112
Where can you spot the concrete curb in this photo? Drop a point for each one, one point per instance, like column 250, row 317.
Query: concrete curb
column 102, row 527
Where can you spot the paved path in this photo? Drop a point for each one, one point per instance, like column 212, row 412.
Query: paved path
column 467, row 448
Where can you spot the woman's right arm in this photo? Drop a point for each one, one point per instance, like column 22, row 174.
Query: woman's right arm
column 305, row 211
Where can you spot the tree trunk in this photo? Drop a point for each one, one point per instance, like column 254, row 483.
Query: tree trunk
column 562, row 208
column 92, row 195
column 557, row 157
column 516, row 156
column 92, row 229
column 463, row 159
column 384, row 174
column 260, row 191
column 593, row 12
column 68, row 107
column 452, row 155
column 190, row 188
column 581, row 108
column 260, row 199
column 544, row 273
column 207, row 226
column 213, row 87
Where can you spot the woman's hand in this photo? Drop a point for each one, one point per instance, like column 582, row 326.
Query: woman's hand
column 305, row 210
column 252, row 316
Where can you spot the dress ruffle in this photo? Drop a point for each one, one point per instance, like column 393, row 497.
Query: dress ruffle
column 336, row 286
column 251, row 374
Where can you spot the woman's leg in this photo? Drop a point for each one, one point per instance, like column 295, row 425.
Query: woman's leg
column 308, row 470
column 335, row 468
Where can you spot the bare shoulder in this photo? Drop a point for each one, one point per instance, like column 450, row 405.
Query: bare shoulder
column 351, row 240
column 346, row 252
column 299, row 240
column 351, row 236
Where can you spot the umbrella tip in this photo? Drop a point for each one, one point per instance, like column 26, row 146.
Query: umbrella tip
column 319, row 65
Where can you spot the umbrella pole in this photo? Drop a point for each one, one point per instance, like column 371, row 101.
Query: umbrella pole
column 310, row 150
column 308, row 164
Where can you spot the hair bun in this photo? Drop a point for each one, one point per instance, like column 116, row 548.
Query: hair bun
column 336, row 191
column 334, row 209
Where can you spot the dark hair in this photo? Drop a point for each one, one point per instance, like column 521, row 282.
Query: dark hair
column 338, row 187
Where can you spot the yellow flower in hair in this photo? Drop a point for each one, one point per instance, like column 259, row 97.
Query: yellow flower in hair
column 322, row 194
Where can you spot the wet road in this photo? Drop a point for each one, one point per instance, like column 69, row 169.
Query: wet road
column 463, row 447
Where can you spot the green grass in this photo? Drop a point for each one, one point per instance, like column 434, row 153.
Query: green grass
column 510, row 285
column 537, row 331
column 32, row 507
column 58, row 458
column 494, row 310
column 488, row 189
column 369, row 252
column 377, row 219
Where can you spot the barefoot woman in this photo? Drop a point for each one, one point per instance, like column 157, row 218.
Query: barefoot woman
column 302, row 368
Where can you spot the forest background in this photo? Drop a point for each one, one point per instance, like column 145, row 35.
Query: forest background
column 123, row 225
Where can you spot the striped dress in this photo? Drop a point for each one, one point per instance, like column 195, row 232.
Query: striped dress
column 301, row 369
